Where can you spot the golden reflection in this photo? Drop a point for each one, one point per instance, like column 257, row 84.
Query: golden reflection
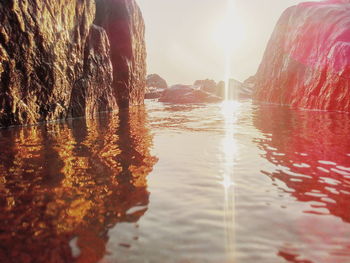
column 72, row 180
column 229, row 111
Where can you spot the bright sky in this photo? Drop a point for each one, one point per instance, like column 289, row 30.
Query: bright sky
column 187, row 39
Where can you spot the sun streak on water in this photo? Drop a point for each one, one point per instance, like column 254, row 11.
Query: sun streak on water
column 229, row 145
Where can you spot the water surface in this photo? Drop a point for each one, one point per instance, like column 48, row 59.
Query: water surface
column 178, row 183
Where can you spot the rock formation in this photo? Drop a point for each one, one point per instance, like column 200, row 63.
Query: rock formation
column 155, row 86
column 207, row 85
column 54, row 63
column 123, row 22
column 93, row 92
column 181, row 94
column 156, row 81
column 307, row 61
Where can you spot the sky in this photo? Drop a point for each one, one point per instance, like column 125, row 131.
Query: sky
column 189, row 40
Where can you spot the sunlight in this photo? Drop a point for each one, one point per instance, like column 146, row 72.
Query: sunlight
column 228, row 36
column 229, row 110
column 236, row 32
column 229, row 32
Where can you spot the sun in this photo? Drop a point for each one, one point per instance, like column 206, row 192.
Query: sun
column 229, row 36
column 229, row 31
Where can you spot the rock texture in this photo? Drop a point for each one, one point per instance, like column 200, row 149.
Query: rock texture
column 307, row 61
column 54, row 63
column 123, row 22
column 93, row 92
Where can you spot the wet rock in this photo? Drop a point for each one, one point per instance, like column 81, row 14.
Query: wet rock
column 187, row 94
column 93, row 92
column 307, row 61
column 42, row 46
column 155, row 86
column 123, row 22
column 153, row 93
column 54, row 63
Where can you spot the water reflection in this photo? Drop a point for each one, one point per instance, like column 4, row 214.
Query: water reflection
column 310, row 153
column 229, row 110
column 63, row 186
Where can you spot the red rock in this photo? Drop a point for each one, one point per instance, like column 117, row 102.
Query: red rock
column 307, row 61
column 123, row 22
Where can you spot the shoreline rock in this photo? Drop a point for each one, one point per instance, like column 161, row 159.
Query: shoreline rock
column 307, row 61
column 55, row 64
column 123, row 22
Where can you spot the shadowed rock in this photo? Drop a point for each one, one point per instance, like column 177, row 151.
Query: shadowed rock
column 93, row 92
column 123, row 22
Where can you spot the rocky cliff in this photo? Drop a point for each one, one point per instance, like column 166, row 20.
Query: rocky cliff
column 307, row 61
column 123, row 22
column 54, row 63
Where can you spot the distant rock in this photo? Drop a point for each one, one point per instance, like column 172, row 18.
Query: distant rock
column 220, row 89
column 236, row 89
column 211, row 86
column 182, row 94
column 307, row 61
column 207, row 85
column 155, row 86
column 156, row 81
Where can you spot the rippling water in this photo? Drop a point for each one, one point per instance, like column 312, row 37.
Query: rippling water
column 178, row 183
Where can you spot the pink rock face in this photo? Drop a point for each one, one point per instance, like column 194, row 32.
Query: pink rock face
column 307, row 61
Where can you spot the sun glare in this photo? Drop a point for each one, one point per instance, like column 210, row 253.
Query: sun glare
column 228, row 37
column 229, row 110
column 229, row 31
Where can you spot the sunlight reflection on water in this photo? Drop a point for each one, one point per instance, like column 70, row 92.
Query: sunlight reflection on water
column 229, row 111
column 234, row 182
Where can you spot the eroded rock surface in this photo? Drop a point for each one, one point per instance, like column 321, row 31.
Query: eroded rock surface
column 54, row 63
column 93, row 93
column 123, row 22
column 307, row 61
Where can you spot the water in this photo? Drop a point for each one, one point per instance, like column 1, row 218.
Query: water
column 178, row 183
